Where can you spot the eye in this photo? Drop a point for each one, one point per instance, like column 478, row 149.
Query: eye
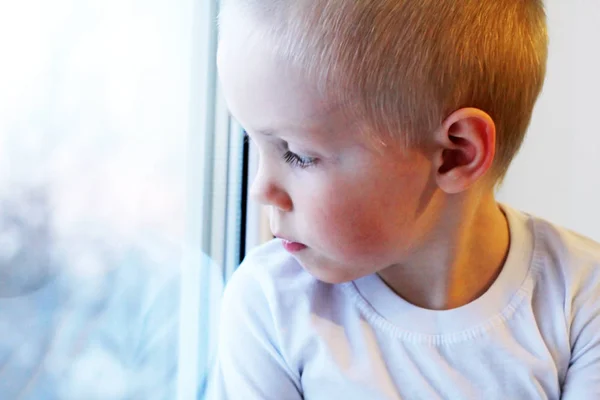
column 296, row 160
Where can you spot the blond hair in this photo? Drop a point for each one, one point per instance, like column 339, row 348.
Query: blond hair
column 405, row 65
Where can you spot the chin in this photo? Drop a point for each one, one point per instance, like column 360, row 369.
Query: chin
column 332, row 275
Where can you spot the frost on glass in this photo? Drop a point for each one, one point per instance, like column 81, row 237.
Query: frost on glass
column 93, row 117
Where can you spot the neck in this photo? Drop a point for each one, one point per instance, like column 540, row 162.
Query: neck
column 460, row 261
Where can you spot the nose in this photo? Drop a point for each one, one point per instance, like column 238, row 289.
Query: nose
column 267, row 191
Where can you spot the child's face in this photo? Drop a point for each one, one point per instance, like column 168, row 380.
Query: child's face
column 357, row 209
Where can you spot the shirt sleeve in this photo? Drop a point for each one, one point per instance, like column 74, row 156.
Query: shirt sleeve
column 582, row 381
column 249, row 361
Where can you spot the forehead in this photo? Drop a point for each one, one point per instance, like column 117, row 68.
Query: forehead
column 265, row 93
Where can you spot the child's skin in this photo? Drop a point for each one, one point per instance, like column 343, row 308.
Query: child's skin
column 424, row 219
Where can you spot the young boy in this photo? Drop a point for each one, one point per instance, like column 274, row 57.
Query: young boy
column 383, row 127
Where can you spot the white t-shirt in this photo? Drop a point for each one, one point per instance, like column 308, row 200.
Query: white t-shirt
column 535, row 334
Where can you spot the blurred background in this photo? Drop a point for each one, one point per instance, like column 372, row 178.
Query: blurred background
column 120, row 206
column 123, row 185
column 557, row 173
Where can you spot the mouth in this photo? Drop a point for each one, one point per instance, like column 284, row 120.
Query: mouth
column 291, row 246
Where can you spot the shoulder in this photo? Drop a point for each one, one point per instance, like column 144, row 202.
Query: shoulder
column 271, row 285
column 554, row 249
column 564, row 282
column 269, row 269
column 258, row 311
column 567, row 268
column 268, row 308
column 575, row 256
column 267, row 262
column 569, row 263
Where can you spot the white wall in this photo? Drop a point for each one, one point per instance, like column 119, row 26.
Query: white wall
column 557, row 173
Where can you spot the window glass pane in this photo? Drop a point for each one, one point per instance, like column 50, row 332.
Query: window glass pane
column 95, row 110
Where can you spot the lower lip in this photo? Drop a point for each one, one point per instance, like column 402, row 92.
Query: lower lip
column 293, row 247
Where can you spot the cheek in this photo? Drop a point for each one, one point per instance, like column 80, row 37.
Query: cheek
column 349, row 227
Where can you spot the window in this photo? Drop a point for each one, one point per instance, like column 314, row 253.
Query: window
column 120, row 198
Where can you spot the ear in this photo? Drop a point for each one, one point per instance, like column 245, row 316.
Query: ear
column 466, row 145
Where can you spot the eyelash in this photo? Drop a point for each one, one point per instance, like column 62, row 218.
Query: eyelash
column 295, row 160
column 290, row 157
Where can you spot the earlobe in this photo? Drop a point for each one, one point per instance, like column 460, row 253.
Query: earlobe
column 466, row 148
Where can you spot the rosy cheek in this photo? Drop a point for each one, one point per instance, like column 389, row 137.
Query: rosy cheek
column 344, row 229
